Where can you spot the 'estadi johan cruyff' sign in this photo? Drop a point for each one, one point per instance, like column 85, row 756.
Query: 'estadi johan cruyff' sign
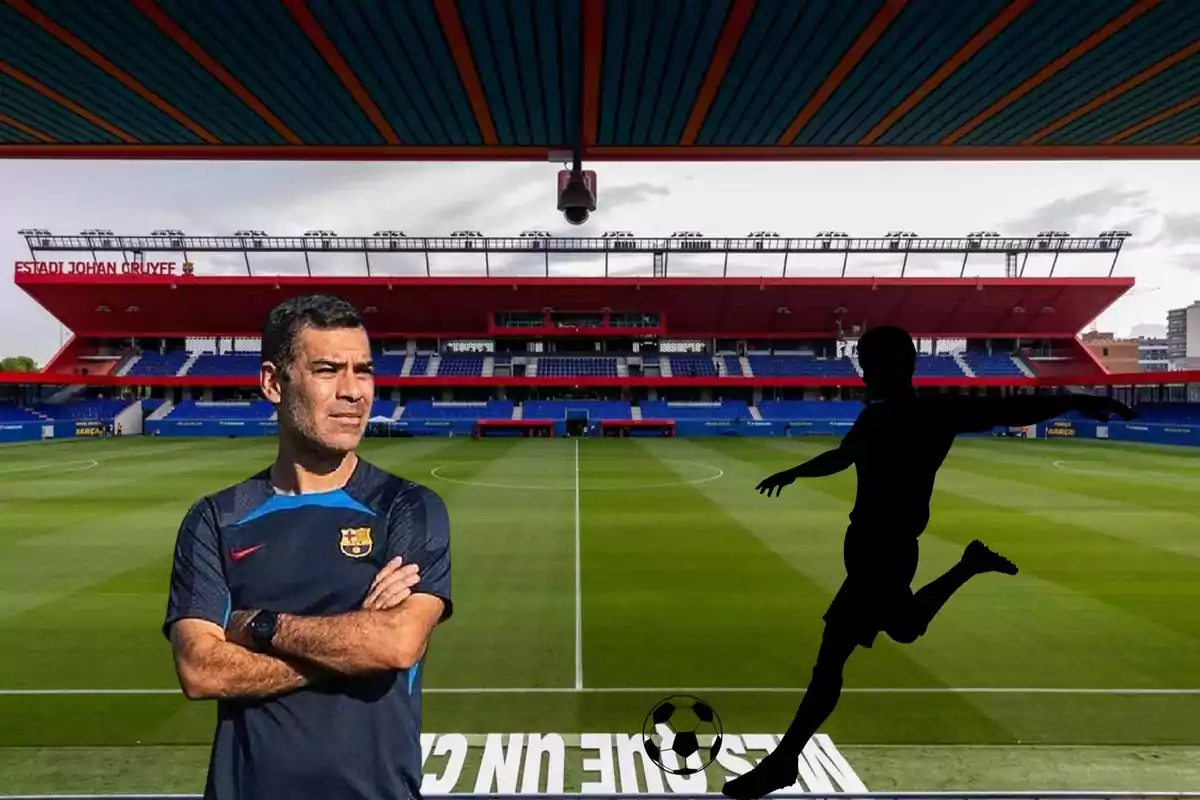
column 611, row 764
column 134, row 269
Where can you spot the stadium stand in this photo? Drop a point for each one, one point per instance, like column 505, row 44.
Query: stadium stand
column 383, row 408
column 10, row 412
column 391, row 364
column 725, row 409
column 419, row 366
column 225, row 364
column 581, row 367
column 692, row 366
column 149, row 363
column 427, row 409
column 461, row 365
column 557, row 409
column 938, row 367
column 86, row 410
column 809, row 409
column 733, row 365
column 992, row 366
column 801, row 366
column 228, row 409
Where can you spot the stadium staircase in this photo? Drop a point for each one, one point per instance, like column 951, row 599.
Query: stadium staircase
column 435, row 363
column 635, row 412
column 399, row 412
column 531, row 368
column 1021, row 365
column 489, row 366
column 755, row 413
column 719, row 363
column 964, row 366
column 406, row 370
column 664, row 366
column 744, row 363
column 187, row 365
column 622, row 368
column 857, row 367
column 518, row 411
column 126, row 364
column 160, row 412
column 65, row 394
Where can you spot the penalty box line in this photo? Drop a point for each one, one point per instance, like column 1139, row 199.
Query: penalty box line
column 667, row 690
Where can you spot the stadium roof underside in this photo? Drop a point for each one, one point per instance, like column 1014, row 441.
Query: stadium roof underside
column 619, row 79
column 690, row 307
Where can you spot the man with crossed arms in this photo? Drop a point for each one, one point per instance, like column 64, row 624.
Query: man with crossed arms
column 303, row 598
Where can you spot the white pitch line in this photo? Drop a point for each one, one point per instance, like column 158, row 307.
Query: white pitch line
column 669, row 690
column 578, row 593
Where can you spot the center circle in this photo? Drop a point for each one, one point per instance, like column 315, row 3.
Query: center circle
column 596, row 475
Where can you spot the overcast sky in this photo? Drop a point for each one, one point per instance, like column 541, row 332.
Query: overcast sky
column 1156, row 201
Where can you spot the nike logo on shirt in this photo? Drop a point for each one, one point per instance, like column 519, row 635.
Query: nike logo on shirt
column 238, row 555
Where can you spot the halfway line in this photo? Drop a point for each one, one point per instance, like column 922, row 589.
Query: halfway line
column 578, row 595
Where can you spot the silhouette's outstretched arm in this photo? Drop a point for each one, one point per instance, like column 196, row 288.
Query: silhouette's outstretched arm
column 828, row 463
column 979, row 414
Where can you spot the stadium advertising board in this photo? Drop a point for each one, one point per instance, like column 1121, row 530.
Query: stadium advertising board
column 123, row 268
column 1060, row 427
column 609, row 764
column 90, row 428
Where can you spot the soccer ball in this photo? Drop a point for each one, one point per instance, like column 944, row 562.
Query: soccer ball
column 676, row 725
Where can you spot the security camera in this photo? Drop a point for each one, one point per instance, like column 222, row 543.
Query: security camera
column 577, row 195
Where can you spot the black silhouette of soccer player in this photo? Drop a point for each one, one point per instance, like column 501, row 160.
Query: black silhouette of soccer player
column 897, row 445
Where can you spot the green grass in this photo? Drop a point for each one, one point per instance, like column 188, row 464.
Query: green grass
column 688, row 579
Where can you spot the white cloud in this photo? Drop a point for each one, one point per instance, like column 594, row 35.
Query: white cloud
column 1154, row 200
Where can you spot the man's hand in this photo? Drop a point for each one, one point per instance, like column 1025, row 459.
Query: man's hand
column 776, row 482
column 392, row 585
column 1102, row 409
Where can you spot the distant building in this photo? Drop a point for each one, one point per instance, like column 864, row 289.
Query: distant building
column 1117, row 355
column 1183, row 337
column 1152, row 355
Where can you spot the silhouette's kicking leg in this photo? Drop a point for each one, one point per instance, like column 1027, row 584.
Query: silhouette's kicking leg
column 778, row 770
column 928, row 601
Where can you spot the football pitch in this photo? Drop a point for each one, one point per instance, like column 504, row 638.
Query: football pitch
column 593, row 577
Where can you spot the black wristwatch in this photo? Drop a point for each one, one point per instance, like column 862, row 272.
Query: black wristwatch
column 262, row 628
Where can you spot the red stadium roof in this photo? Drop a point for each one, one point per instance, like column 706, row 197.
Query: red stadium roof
column 702, row 307
column 693, row 79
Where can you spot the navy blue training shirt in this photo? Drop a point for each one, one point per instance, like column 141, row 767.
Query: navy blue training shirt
column 250, row 547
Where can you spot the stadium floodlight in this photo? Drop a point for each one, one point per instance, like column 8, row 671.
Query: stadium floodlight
column 617, row 235
column 762, row 235
column 983, row 235
column 535, row 235
column 392, row 234
column 466, row 235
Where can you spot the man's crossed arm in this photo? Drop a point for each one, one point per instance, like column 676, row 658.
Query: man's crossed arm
column 214, row 662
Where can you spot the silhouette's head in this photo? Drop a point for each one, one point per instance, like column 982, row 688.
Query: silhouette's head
column 887, row 357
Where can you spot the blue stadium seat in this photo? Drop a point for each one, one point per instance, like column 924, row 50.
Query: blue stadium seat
column 229, row 409
column 801, row 366
column 226, row 364
column 584, row 366
column 427, row 409
column 88, row 409
column 938, row 367
column 995, row 365
column 689, row 366
column 154, row 364
column 390, row 365
column 809, row 409
column 467, row 366
column 383, row 408
column 727, row 409
column 14, row 413
column 733, row 365
column 420, row 364
column 557, row 409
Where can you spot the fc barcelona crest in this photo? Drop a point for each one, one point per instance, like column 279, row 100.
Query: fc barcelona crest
column 356, row 542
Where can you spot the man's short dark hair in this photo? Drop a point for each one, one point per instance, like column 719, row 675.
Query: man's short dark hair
column 286, row 320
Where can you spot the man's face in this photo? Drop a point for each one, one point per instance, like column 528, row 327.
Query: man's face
column 327, row 397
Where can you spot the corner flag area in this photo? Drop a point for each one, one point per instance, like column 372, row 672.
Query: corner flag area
column 596, row 576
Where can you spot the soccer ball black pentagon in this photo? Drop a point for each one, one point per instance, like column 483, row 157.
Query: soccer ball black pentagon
column 682, row 724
